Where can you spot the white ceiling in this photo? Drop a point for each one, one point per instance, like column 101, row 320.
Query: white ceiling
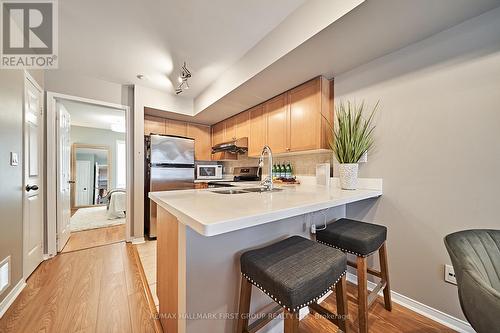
column 89, row 115
column 371, row 30
column 118, row 39
column 115, row 40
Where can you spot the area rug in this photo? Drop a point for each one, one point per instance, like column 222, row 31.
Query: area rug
column 92, row 218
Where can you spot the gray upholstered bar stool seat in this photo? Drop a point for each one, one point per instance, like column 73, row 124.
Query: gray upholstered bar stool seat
column 475, row 255
column 361, row 239
column 295, row 273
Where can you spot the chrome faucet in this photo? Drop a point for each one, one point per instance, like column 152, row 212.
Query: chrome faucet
column 268, row 182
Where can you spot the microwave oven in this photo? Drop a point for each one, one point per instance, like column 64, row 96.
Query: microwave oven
column 209, row 171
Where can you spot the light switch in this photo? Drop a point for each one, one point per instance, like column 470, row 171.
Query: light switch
column 14, row 159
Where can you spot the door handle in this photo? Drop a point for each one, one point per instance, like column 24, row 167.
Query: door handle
column 71, row 182
column 31, row 187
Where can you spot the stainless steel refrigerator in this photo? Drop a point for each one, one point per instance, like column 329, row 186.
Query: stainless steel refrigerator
column 169, row 166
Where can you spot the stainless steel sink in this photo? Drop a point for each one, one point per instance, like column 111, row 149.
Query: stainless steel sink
column 247, row 190
column 262, row 189
column 230, row 191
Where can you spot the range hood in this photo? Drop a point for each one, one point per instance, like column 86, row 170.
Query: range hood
column 238, row 146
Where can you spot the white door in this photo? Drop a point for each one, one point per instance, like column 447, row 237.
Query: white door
column 33, row 181
column 83, row 183
column 63, row 176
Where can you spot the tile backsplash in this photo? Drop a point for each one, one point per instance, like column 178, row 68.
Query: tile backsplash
column 303, row 165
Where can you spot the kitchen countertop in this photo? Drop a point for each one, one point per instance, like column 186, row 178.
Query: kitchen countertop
column 211, row 214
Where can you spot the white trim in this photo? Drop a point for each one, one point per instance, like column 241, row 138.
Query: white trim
column 425, row 310
column 51, row 151
column 137, row 240
column 11, row 297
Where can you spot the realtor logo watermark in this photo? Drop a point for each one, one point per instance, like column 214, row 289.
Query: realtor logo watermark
column 29, row 34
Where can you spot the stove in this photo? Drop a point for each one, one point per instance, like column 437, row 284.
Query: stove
column 246, row 174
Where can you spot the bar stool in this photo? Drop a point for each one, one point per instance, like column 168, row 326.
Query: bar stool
column 361, row 239
column 295, row 273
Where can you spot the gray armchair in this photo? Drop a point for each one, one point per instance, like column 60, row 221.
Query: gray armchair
column 475, row 255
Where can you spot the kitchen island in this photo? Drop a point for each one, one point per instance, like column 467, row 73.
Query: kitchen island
column 202, row 233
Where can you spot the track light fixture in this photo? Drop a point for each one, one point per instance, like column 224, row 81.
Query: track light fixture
column 185, row 74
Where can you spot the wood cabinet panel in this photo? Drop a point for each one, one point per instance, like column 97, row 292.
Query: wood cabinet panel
column 257, row 137
column 154, row 125
column 175, row 127
column 218, row 133
column 276, row 110
column 202, row 141
column 230, row 129
column 167, row 282
column 305, row 116
column 242, row 125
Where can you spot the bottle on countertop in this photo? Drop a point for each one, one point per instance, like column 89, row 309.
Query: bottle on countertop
column 288, row 171
column 283, row 170
column 274, row 171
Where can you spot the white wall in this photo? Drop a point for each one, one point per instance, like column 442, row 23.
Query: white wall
column 437, row 149
column 99, row 136
column 69, row 83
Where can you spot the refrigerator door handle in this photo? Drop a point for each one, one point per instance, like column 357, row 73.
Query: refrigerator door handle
column 172, row 165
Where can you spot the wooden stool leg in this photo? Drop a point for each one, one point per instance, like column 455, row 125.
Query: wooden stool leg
column 384, row 271
column 244, row 309
column 362, row 295
column 341, row 297
column 291, row 322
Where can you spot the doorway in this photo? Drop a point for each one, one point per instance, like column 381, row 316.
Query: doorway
column 91, row 175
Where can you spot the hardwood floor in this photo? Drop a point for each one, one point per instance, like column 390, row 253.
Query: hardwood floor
column 93, row 290
column 102, row 289
column 95, row 237
column 400, row 319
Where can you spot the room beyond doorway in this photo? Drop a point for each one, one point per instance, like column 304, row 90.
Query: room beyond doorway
column 91, row 175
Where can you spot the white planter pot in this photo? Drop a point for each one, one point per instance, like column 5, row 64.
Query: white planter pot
column 348, row 176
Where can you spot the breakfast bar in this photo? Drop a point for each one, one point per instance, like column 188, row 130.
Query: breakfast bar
column 202, row 233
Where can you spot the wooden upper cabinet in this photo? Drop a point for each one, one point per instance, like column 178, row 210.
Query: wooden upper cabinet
column 202, row 141
column 175, row 127
column 257, row 136
column 154, row 125
column 218, row 137
column 307, row 102
column 230, row 129
column 218, row 133
column 242, row 125
column 276, row 110
column 291, row 122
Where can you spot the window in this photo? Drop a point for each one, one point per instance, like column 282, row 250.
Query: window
column 121, row 164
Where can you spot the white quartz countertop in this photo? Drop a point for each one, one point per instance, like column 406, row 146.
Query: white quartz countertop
column 212, row 214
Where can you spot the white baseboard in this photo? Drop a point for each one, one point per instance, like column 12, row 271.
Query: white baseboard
column 425, row 310
column 11, row 297
column 138, row 240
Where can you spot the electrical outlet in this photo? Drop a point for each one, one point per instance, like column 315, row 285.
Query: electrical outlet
column 449, row 274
